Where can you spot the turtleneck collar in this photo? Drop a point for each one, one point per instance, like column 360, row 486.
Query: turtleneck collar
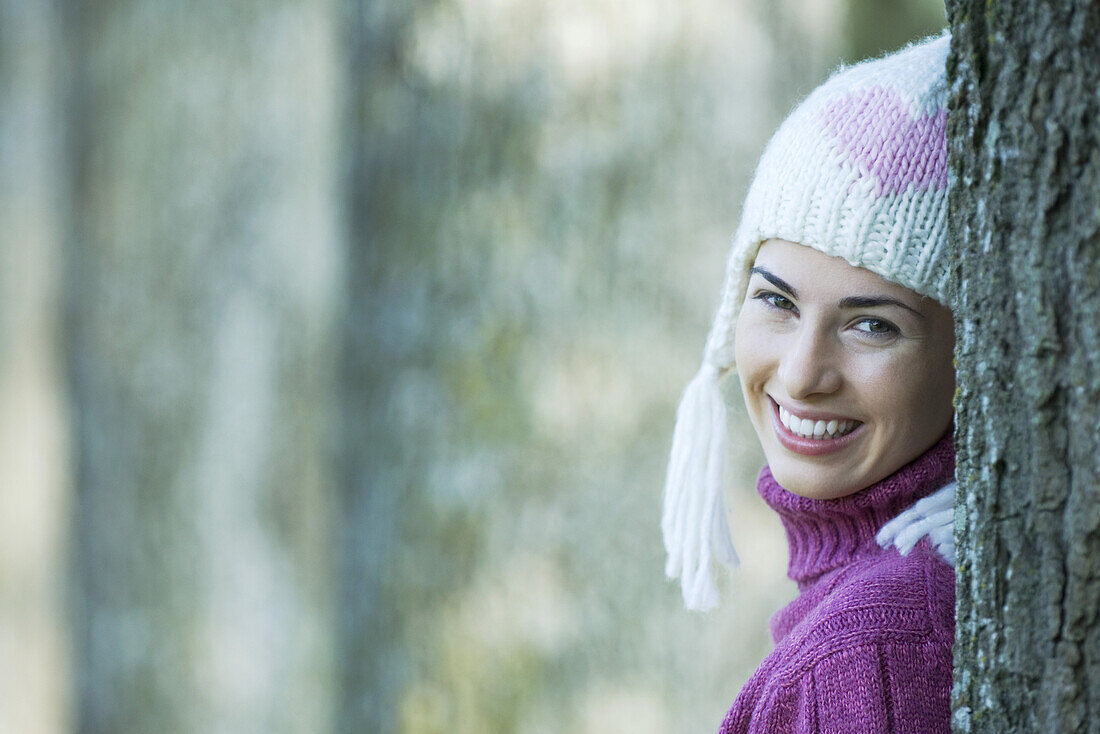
column 826, row 534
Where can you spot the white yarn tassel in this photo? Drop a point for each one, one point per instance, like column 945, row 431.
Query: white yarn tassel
column 694, row 519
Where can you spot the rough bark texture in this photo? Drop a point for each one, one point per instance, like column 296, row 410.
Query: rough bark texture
column 1025, row 159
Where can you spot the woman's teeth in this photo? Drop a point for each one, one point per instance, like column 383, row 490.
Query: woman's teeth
column 815, row 429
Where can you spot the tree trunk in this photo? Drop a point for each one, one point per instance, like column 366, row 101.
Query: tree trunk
column 1024, row 152
column 203, row 292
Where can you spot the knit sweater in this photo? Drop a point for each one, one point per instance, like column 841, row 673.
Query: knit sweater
column 866, row 646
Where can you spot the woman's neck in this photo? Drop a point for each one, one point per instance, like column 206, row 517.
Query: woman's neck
column 826, row 534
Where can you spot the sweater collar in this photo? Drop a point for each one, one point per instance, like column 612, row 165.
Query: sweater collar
column 826, row 534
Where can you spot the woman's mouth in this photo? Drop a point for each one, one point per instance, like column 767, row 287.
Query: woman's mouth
column 817, row 429
column 813, row 436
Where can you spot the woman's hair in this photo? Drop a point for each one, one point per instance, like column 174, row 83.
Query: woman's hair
column 858, row 171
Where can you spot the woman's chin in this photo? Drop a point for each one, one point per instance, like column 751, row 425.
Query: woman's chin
column 816, row 477
column 816, row 486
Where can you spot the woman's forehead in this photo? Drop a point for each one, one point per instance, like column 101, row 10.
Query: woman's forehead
column 805, row 268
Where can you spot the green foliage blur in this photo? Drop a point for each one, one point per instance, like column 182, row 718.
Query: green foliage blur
column 357, row 330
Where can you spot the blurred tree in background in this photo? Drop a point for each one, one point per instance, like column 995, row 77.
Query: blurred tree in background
column 36, row 483
column 202, row 263
column 341, row 344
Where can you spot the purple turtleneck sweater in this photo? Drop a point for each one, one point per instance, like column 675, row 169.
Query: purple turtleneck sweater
column 866, row 646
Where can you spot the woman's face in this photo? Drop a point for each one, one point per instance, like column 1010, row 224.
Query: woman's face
column 847, row 376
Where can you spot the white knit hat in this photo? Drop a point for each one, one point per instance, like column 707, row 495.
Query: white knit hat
column 859, row 171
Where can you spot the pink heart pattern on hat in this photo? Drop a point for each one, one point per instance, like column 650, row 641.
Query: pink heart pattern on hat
column 884, row 141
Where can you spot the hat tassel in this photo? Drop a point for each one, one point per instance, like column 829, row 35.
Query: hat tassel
column 694, row 518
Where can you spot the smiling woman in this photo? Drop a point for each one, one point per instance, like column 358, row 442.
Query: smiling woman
column 832, row 317
column 846, row 375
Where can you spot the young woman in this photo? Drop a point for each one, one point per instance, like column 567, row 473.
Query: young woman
column 833, row 318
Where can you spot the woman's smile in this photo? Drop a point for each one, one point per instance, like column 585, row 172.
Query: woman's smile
column 847, row 376
column 811, row 432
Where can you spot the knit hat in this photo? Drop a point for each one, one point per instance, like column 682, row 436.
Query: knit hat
column 858, row 171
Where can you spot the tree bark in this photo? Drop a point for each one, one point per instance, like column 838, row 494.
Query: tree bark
column 1024, row 152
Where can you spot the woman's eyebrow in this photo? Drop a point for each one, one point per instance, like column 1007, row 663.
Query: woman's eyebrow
column 775, row 280
column 873, row 301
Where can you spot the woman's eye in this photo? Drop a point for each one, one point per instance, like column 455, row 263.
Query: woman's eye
column 876, row 327
column 776, row 301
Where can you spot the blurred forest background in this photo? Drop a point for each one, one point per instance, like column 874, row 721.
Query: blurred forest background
column 339, row 347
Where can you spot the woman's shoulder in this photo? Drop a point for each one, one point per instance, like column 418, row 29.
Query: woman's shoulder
column 894, row 593
column 874, row 653
column 887, row 599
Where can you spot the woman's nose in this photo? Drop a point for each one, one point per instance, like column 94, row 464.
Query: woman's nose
column 808, row 365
